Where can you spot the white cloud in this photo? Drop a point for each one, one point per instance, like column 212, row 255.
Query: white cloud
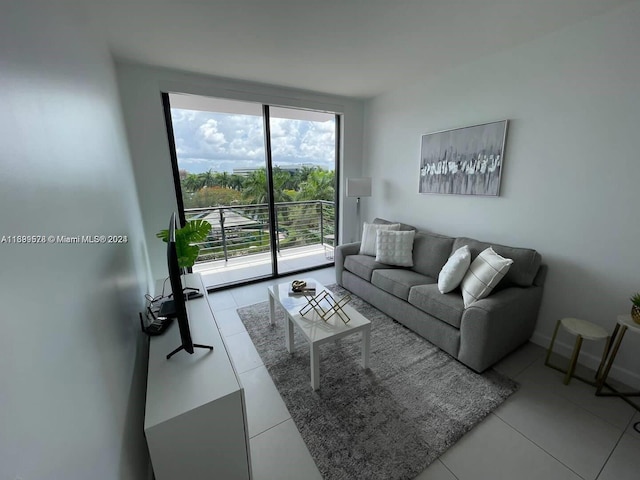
column 211, row 135
column 223, row 142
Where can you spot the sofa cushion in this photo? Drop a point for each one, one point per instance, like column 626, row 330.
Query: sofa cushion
column 430, row 252
column 526, row 261
column 484, row 273
column 370, row 231
column 403, row 226
column 447, row 307
column 454, row 270
column 398, row 281
column 395, row 248
column 362, row 265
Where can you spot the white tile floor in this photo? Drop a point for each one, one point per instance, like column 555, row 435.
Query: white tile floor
column 544, row 431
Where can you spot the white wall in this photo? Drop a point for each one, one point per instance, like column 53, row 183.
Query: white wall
column 72, row 360
column 141, row 89
column 571, row 171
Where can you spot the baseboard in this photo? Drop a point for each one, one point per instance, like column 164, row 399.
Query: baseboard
column 589, row 360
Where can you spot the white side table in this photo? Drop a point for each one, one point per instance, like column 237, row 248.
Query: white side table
column 625, row 323
column 582, row 329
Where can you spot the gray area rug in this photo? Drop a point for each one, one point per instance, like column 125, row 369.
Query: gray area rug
column 388, row 422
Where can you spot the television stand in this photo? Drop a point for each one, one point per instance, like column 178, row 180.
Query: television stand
column 181, row 347
column 191, row 292
column 195, row 420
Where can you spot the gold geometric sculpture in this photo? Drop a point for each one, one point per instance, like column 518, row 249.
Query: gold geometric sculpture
column 326, row 306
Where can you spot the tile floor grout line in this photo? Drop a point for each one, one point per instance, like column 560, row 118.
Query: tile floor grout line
column 579, row 405
column 632, row 421
column 220, row 310
column 539, row 446
column 274, row 426
column 527, row 366
column 257, row 366
column 610, row 454
column 238, row 333
column 439, row 459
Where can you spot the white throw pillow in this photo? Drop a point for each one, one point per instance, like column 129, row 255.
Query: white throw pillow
column 395, row 248
column 454, row 270
column 369, row 231
column 483, row 275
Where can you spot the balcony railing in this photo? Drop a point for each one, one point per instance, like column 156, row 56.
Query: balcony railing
column 240, row 230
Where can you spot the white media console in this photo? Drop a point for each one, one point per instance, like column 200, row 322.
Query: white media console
column 195, row 420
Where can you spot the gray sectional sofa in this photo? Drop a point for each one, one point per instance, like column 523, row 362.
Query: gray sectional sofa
column 477, row 336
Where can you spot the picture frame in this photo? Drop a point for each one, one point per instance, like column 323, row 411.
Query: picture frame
column 463, row 161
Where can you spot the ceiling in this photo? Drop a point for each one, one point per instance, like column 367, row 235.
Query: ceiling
column 356, row 48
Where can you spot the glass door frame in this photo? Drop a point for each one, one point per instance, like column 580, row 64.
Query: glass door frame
column 273, row 232
column 271, row 201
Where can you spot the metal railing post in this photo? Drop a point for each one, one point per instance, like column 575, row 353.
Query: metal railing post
column 223, row 234
column 321, row 223
column 275, row 221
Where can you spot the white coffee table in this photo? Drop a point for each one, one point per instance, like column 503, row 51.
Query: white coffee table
column 315, row 330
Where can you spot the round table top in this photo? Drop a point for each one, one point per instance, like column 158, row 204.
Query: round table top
column 627, row 321
column 585, row 329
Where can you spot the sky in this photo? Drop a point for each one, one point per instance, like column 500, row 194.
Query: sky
column 222, row 142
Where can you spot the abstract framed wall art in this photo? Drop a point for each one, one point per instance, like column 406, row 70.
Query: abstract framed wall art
column 463, row 161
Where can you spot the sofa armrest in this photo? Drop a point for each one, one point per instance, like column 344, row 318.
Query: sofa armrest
column 498, row 324
column 340, row 252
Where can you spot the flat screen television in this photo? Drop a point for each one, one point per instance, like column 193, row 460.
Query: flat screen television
column 178, row 307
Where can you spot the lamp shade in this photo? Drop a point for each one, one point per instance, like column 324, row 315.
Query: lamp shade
column 359, row 187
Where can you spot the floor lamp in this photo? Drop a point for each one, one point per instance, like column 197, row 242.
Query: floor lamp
column 358, row 187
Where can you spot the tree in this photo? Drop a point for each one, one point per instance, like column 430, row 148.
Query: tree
column 320, row 185
column 255, row 186
column 191, row 183
column 303, row 173
column 222, row 179
column 280, row 180
column 212, row 197
column 207, row 179
column 236, row 181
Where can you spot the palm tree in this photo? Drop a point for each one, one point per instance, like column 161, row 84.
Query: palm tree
column 236, row 182
column 191, row 183
column 318, row 186
column 255, row 187
column 281, row 180
column 207, row 179
column 222, row 179
column 303, row 173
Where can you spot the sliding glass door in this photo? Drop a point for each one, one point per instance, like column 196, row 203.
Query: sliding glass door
column 263, row 177
column 303, row 159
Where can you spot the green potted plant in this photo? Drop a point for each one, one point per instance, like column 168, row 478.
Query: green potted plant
column 194, row 231
column 635, row 308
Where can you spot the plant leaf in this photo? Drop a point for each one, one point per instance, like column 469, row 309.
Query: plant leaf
column 164, row 235
column 194, row 231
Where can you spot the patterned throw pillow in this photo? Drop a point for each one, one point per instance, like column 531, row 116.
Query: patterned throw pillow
column 483, row 275
column 454, row 270
column 369, row 231
column 395, row 248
